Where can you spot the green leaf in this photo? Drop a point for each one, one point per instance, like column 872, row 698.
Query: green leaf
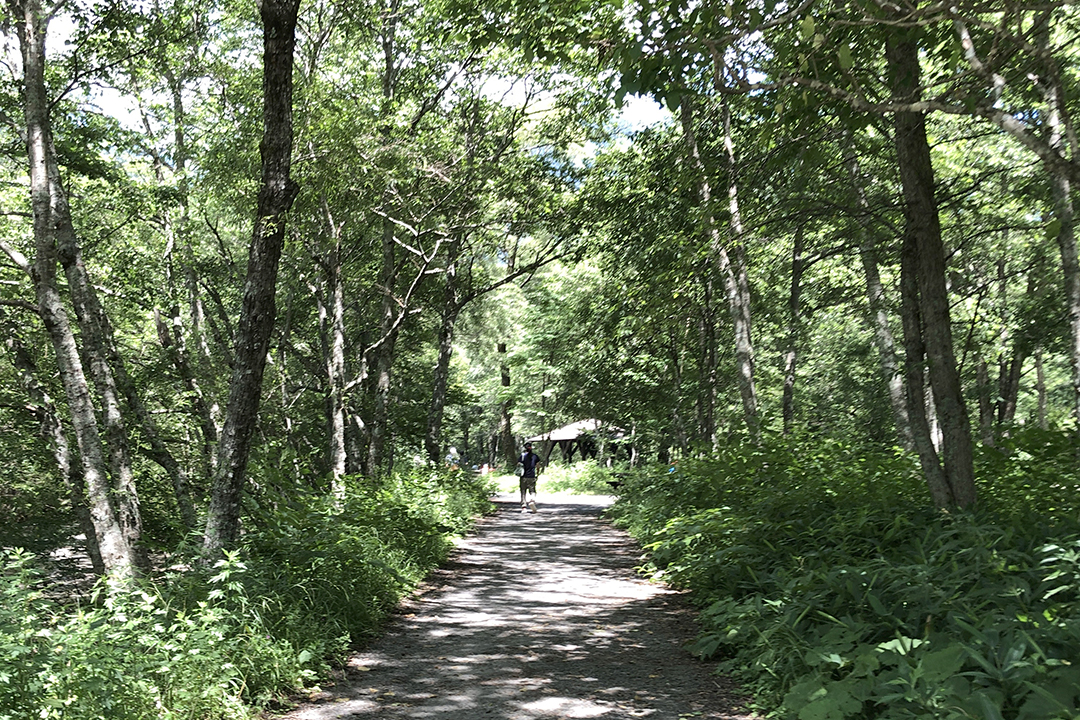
column 989, row 708
column 1053, row 229
column 942, row 664
column 834, row 702
column 806, row 28
column 844, row 55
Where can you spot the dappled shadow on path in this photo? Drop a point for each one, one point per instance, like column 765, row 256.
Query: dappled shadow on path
column 541, row 616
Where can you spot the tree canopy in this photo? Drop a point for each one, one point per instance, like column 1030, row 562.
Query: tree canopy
column 253, row 251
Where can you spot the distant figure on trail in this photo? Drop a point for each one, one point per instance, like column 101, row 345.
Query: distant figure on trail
column 528, row 465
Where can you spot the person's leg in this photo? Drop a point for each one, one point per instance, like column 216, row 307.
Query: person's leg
column 523, row 485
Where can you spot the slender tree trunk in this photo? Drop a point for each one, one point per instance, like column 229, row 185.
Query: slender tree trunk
column 1010, row 365
column 52, row 429
column 383, row 357
column 707, row 393
column 173, row 343
column 879, row 317
column 744, row 348
column 791, row 353
column 1040, row 389
column 451, row 308
column 1065, row 220
column 355, row 432
column 276, row 195
column 173, row 340
column 731, row 267
column 103, row 359
column 678, row 426
column 336, row 373
column 923, row 230
column 1064, row 212
column 1010, row 386
column 52, row 218
column 986, row 407
column 914, row 357
column 506, row 432
column 106, row 369
column 332, row 329
column 440, row 384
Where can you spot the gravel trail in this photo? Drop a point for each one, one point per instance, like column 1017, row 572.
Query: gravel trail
column 535, row 616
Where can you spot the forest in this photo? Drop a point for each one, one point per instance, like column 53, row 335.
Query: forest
column 266, row 266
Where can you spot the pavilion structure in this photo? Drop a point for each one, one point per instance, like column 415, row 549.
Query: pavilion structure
column 581, row 437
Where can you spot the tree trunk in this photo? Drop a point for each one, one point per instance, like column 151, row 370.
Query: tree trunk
column 440, row 384
column 175, row 348
column 52, row 429
column 451, row 308
column 332, row 329
column 1010, row 365
column 51, row 219
column 986, row 406
column 791, row 353
column 731, row 267
column 173, row 340
column 740, row 302
column 708, row 379
column 678, row 426
column 276, row 194
column 383, row 356
column 1009, row 384
column 1040, row 389
column 1064, row 213
column 923, row 231
column 914, row 356
column 336, row 373
column 506, row 432
column 879, row 317
column 1064, row 218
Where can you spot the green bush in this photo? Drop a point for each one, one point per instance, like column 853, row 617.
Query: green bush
column 313, row 576
column 330, row 570
column 833, row 591
column 131, row 655
column 580, row 478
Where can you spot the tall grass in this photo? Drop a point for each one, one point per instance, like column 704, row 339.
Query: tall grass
column 311, row 579
column 832, row 590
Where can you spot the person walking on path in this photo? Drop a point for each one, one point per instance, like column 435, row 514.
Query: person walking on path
column 528, row 464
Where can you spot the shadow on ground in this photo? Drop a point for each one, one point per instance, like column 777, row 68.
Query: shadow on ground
column 539, row 616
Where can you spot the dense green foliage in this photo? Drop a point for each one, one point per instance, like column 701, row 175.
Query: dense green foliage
column 497, row 233
column 311, row 581
column 832, row 590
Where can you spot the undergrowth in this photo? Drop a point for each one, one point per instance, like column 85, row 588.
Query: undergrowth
column 832, row 590
column 581, row 478
column 312, row 578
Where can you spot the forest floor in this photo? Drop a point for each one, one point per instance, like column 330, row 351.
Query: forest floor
column 534, row 616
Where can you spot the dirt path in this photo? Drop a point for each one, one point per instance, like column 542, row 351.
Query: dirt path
column 537, row 616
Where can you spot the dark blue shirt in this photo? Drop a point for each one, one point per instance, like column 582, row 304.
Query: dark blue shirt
column 529, row 460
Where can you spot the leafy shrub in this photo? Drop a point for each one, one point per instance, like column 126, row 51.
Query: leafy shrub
column 313, row 576
column 832, row 591
column 130, row 655
column 330, row 570
column 582, row 478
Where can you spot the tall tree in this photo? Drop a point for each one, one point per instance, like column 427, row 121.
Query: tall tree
column 728, row 254
column 110, row 490
column 924, row 259
column 276, row 194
